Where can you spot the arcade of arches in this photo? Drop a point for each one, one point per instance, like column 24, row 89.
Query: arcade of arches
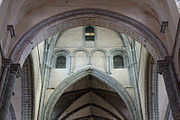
column 89, row 60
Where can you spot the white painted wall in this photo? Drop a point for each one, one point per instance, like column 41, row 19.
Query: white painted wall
column 141, row 82
column 37, row 61
column 163, row 98
column 80, row 60
column 107, row 37
column 99, row 61
column 104, row 38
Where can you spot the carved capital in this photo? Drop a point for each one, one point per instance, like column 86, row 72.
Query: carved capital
column 16, row 69
column 166, row 68
column 164, row 64
column 132, row 65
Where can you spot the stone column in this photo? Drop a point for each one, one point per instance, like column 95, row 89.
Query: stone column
column 154, row 115
column 166, row 68
column 72, row 63
column 9, row 73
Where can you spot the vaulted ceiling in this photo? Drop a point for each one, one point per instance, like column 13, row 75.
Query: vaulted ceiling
column 89, row 98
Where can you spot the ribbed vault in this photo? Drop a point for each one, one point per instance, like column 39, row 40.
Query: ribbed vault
column 89, row 98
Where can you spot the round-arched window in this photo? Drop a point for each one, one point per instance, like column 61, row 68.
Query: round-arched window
column 118, row 61
column 61, row 62
column 89, row 34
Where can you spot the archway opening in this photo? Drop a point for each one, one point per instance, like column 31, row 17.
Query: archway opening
column 90, row 98
column 78, row 54
column 101, row 58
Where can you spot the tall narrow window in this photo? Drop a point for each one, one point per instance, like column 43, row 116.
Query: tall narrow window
column 89, row 34
column 118, row 61
column 61, row 62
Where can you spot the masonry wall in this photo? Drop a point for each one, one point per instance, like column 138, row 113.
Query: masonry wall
column 17, row 98
column 106, row 40
column 23, row 14
column 163, row 98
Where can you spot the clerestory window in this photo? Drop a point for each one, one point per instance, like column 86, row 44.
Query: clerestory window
column 89, row 33
column 61, row 62
column 118, row 61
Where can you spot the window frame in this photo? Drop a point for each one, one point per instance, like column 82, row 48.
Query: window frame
column 89, row 32
column 85, row 43
column 122, row 53
column 59, row 65
column 122, row 62
column 61, row 53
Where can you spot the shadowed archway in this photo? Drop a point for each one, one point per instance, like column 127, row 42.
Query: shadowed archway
column 103, row 77
column 90, row 92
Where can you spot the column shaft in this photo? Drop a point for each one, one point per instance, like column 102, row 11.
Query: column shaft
column 10, row 73
column 166, row 68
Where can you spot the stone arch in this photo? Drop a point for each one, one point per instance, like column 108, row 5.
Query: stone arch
column 74, row 53
column 98, row 49
column 80, row 49
column 111, row 82
column 119, row 51
column 56, row 53
column 84, row 17
column 122, row 51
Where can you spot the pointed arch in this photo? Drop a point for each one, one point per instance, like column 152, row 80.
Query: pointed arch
column 105, row 78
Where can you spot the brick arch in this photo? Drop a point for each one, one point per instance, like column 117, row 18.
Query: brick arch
column 84, row 17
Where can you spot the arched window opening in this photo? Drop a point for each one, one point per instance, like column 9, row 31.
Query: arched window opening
column 89, row 34
column 118, row 61
column 61, row 62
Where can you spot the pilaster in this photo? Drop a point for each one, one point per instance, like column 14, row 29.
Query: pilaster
column 166, row 68
column 10, row 73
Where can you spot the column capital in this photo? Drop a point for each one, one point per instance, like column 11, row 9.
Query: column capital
column 16, row 69
column 166, row 68
column 164, row 64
